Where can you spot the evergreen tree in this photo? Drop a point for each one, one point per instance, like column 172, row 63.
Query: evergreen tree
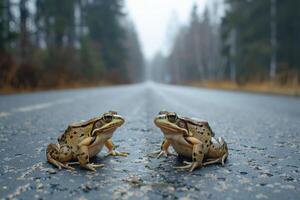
column 7, row 38
column 135, row 59
column 249, row 21
column 260, row 35
column 102, row 19
column 288, row 34
column 6, row 18
column 62, row 42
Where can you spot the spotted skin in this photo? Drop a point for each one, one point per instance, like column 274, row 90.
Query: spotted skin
column 83, row 140
column 191, row 138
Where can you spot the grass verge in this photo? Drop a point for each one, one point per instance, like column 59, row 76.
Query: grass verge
column 12, row 90
column 266, row 87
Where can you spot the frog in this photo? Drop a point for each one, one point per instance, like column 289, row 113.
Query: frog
column 84, row 140
column 192, row 138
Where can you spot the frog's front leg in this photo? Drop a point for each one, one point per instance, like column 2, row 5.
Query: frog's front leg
column 111, row 149
column 83, row 154
column 197, row 154
column 164, row 149
column 217, row 152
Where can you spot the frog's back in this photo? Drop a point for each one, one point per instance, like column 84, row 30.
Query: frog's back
column 195, row 121
column 73, row 135
column 83, row 123
column 200, row 129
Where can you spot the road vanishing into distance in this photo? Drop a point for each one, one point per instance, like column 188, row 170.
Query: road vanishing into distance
column 262, row 131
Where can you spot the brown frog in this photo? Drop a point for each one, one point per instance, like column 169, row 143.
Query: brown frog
column 190, row 138
column 83, row 140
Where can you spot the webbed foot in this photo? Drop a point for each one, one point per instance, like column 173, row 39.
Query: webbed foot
column 165, row 153
column 117, row 153
column 61, row 165
column 189, row 165
column 158, row 154
column 92, row 166
column 217, row 160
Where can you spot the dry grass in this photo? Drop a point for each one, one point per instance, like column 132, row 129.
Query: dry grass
column 11, row 90
column 266, row 87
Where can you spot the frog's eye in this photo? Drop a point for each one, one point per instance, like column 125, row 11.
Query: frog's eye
column 181, row 124
column 107, row 118
column 112, row 112
column 163, row 112
column 172, row 117
column 98, row 124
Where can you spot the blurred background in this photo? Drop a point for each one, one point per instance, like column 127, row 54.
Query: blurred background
column 47, row 44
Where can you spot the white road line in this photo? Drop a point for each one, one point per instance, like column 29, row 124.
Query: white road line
column 175, row 102
column 35, row 107
column 4, row 114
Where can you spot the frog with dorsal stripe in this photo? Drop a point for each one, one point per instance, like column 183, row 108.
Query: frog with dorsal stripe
column 190, row 138
column 83, row 140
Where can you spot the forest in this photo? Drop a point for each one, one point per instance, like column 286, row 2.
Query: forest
column 53, row 43
column 255, row 41
column 50, row 44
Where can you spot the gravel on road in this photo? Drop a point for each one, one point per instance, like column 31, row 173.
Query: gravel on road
column 262, row 132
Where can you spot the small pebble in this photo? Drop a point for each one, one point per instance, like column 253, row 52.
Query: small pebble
column 51, row 171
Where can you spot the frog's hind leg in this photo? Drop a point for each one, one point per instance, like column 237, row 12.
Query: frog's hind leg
column 111, row 149
column 197, row 155
column 217, row 153
column 53, row 154
column 83, row 155
column 221, row 160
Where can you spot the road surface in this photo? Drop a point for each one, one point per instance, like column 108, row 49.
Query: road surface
column 262, row 131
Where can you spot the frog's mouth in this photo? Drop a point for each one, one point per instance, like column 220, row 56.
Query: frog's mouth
column 170, row 128
column 106, row 130
column 110, row 127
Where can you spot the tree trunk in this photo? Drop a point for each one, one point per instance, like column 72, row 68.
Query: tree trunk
column 273, row 41
column 23, row 31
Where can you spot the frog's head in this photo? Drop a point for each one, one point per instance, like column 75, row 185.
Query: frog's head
column 108, row 122
column 170, row 123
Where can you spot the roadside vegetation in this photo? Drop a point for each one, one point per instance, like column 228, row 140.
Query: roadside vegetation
column 52, row 43
column 47, row 44
column 254, row 47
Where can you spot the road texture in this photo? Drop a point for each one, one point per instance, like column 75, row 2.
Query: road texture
column 262, row 131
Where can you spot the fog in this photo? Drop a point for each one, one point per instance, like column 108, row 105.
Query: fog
column 48, row 44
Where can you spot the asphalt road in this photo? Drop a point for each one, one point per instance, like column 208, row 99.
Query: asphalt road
column 262, row 131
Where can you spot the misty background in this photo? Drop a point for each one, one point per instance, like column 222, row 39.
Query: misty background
column 50, row 44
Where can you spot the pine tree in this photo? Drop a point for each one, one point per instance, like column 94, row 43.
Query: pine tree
column 102, row 19
column 135, row 59
column 248, row 23
column 260, row 39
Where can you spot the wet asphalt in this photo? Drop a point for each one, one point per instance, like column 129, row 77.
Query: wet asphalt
column 262, row 132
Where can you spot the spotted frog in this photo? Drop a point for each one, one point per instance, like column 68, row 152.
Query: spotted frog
column 83, row 140
column 190, row 138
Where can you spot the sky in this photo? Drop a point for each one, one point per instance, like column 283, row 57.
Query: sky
column 156, row 21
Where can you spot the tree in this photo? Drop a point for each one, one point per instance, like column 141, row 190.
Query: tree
column 288, row 31
column 135, row 59
column 24, row 37
column 58, row 43
column 195, row 54
column 249, row 22
column 107, row 33
column 7, row 37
